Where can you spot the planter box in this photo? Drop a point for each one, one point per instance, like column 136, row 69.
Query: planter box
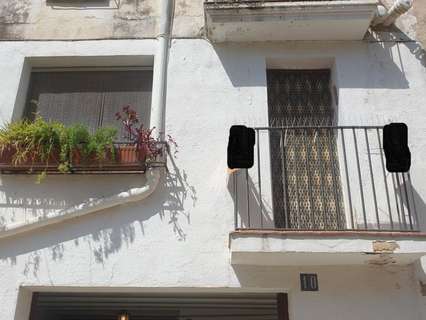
column 127, row 159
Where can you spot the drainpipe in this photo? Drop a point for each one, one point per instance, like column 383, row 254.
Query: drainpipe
column 152, row 175
column 160, row 68
column 388, row 17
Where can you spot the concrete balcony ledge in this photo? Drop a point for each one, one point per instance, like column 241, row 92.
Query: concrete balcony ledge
column 237, row 21
column 322, row 248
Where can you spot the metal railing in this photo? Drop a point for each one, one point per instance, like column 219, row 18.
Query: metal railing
column 322, row 178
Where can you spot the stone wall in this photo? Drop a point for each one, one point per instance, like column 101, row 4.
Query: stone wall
column 419, row 11
column 96, row 19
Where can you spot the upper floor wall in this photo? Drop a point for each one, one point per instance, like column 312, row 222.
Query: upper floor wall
column 94, row 19
column 123, row 19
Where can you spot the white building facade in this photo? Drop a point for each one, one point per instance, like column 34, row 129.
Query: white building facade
column 189, row 239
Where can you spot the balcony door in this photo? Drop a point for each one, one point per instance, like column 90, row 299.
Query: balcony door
column 305, row 173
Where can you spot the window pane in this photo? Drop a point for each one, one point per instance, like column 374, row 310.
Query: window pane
column 68, row 97
column 133, row 88
column 89, row 97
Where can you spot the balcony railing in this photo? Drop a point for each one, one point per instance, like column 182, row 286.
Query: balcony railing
column 322, row 178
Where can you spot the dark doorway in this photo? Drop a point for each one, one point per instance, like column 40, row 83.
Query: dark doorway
column 195, row 306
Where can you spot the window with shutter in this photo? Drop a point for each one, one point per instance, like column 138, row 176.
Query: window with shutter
column 89, row 97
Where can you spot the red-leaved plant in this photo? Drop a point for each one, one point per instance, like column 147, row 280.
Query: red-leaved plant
column 142, row 137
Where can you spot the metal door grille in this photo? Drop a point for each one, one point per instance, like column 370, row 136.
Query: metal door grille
column 305, row 173
column 159, row 306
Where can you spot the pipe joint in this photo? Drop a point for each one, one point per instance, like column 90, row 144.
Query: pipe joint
column 388, row 17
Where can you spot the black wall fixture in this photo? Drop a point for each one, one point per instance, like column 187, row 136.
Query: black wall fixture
column 241, row 147
column 395, row 145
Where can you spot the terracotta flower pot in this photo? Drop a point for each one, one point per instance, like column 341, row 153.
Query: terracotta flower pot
column 32, row 161
column 127, row 154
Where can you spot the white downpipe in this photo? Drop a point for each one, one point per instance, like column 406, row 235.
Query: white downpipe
column 160, row 68
column 152, row 175
column 388, row 17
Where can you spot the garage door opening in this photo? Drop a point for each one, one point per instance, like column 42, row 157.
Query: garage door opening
column 200, row 306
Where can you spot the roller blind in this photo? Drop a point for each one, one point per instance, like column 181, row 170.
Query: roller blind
column 89, row 97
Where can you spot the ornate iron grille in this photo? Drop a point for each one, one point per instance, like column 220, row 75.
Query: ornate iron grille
column 305, row 172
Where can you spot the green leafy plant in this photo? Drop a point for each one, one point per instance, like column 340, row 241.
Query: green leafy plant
column 73, row 139
column 101, row 143
column 49, row 142
column 31, row 141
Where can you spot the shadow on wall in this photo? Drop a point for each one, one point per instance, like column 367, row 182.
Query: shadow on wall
column 417, row 50
column 104, row 233
column 242, row 69
column 57, row 193
column 393, row 33
column 178, row 190
column 252, row 212
column 384, row 68
column 420, row 207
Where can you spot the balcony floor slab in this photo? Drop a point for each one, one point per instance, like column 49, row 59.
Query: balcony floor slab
column 325, row 248
column 237, row 21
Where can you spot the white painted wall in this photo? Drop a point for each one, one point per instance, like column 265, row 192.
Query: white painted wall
column 178, row 238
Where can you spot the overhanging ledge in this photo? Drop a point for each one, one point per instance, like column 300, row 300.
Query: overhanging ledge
column 322, row 248
column 288, row 20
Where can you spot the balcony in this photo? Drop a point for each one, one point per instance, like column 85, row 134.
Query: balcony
column 322, row 196
column 246, row 20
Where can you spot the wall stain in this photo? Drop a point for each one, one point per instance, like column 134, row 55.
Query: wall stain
column 385, row 246
column 382, row 260
column 15, row 12
column 182, row 7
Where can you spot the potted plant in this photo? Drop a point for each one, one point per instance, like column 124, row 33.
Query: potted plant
column 42, row 147
column 31, row 144
column 141, row 146
column 47, row 146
